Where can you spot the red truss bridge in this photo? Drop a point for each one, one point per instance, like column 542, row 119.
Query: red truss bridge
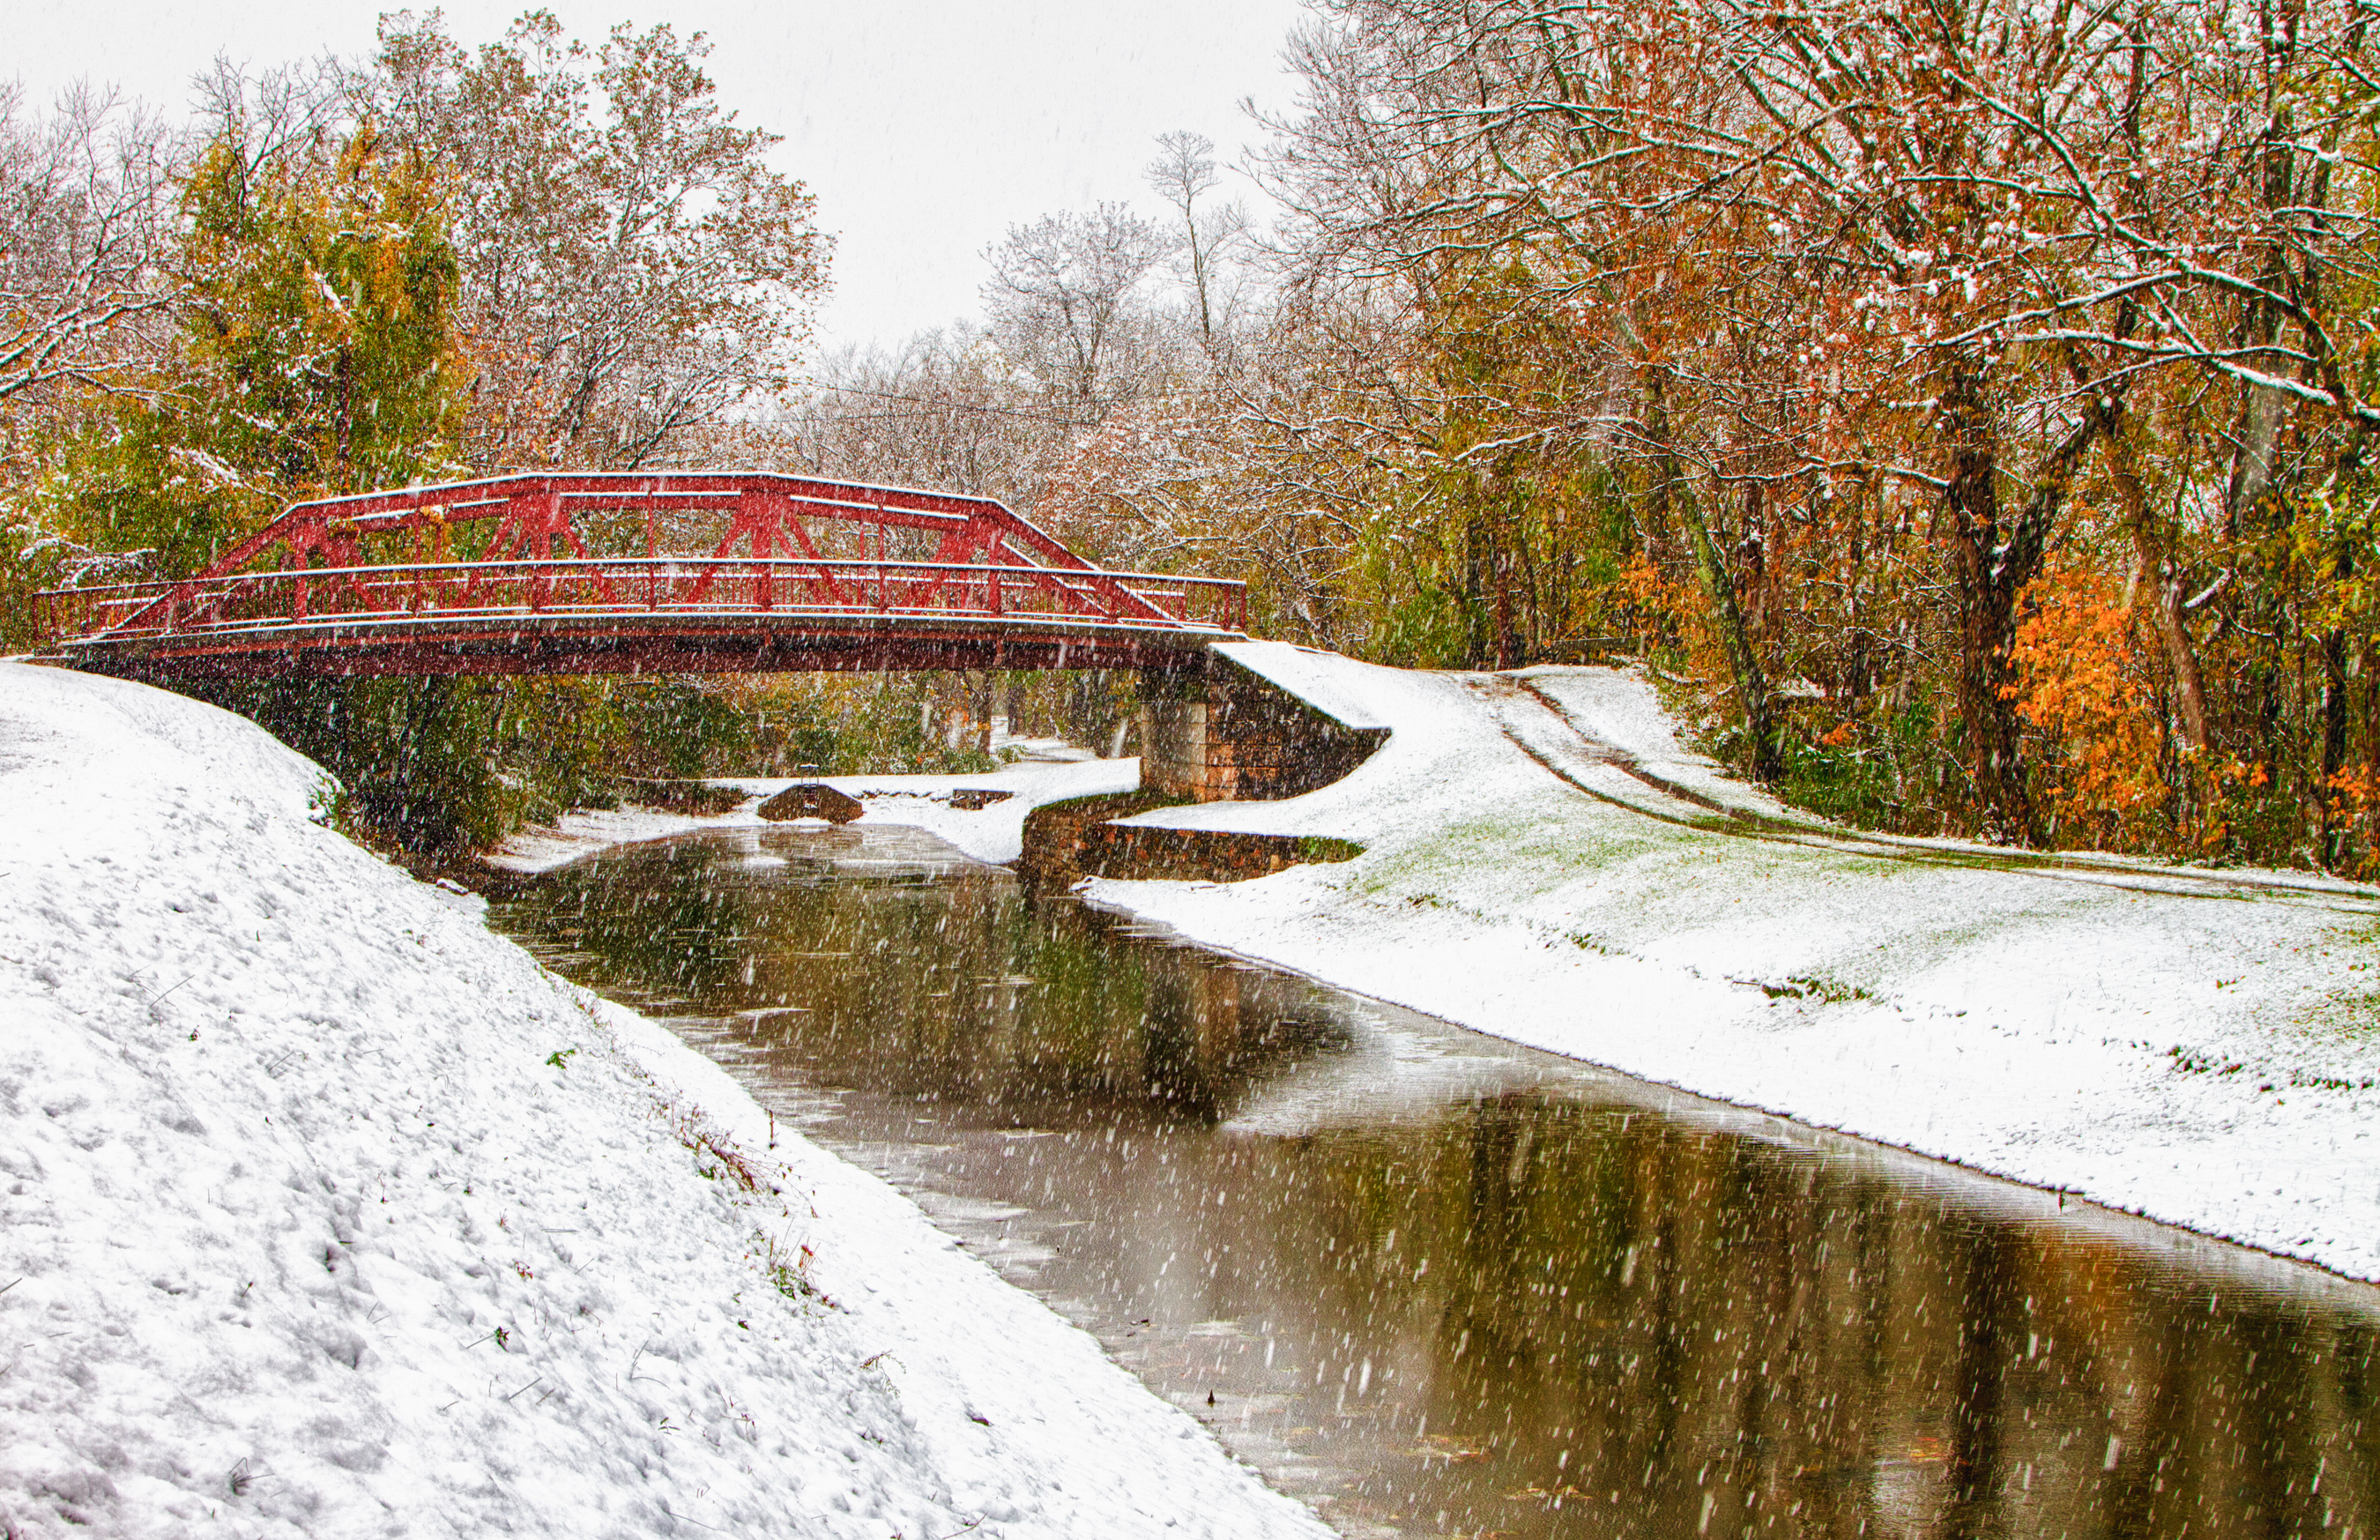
column 575, row 573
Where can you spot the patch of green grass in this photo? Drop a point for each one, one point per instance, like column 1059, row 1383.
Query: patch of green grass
column 1534, row 855
column 1809, row 986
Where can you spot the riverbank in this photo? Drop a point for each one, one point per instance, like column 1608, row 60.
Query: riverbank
column 1545, row 862
column 323, row 1210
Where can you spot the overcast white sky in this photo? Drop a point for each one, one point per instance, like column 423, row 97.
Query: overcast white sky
column 925, row 126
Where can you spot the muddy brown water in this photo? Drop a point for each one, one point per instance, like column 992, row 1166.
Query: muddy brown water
column 1437, row 1284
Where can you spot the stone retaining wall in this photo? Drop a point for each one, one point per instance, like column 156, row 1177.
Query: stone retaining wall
column 1223, row 733
column 1067, row 840
column 1202, row 854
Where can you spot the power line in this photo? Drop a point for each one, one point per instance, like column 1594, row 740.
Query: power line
column 953, row 405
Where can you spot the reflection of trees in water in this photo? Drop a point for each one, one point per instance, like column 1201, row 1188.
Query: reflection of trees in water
column 1677, row 1333
column 1698, row 1334
column 658, row 922
column 956, row 987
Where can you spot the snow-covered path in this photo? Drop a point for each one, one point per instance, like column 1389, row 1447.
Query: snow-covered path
column 1545, row 862
column 325, row 1212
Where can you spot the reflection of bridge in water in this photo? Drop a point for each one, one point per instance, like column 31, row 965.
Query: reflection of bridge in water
column 574, row 577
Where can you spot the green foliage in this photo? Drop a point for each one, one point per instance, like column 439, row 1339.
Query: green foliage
column 133, row 482
column 1431, row 628
column 316, row 355
column 840, row 724
column 1507, row 539
column 440, row 767
column 678, row 728
column 30, row 560
column 418, row 758
column 326, row 293
column 1878, row 774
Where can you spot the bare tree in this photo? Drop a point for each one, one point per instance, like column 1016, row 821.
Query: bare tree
column 1182, row 174
column 83, row 222
column 634, row 270
column 942, row 409
column 1061, row 300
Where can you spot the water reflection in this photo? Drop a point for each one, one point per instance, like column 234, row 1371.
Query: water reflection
column 1439, row 1285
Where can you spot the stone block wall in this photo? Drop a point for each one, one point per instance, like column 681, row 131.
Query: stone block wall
column 1224, row 733
column 1066, row 840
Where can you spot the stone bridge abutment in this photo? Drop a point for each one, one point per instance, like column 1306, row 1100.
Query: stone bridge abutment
column 1222, row 732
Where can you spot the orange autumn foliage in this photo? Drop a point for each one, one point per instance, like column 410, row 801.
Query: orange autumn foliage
column 2084, row 683
column 2352, row 804
column 1676, row 605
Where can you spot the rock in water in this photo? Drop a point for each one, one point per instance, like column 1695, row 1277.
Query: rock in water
column 810, row 799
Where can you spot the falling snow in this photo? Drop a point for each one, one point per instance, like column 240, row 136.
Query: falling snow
column 325, row 1211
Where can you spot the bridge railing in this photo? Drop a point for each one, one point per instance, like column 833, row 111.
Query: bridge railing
column 672, row 586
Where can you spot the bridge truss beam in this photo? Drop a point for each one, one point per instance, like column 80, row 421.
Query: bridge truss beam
column 771, row 593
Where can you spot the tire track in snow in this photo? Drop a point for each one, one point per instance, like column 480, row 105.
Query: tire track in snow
column 1572, row 753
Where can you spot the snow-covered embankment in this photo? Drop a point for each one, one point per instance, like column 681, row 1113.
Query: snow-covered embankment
column 1545, row 862
column 324, row 1212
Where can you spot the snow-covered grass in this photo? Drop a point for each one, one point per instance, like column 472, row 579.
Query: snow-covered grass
column 325, row 1212
column 1545, row 862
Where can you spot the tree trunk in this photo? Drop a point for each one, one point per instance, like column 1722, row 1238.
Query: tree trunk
column 2261, row 410
column 2334, row 715
column 1727, row 613
column 1751, row 688
column 1987, row 698
column 2173, row 634
column 1993, row 566
column 2189, row 689
column 1500, row 582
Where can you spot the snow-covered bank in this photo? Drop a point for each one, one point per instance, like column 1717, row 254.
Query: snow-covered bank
column 324, row 1212
column 1546, row 863
column 994, row 832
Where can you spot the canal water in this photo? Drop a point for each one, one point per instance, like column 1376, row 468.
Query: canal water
column 1436, row 1284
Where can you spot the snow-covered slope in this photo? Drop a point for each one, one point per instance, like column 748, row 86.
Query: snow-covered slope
column 325, row 1212
column 1547, row 863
